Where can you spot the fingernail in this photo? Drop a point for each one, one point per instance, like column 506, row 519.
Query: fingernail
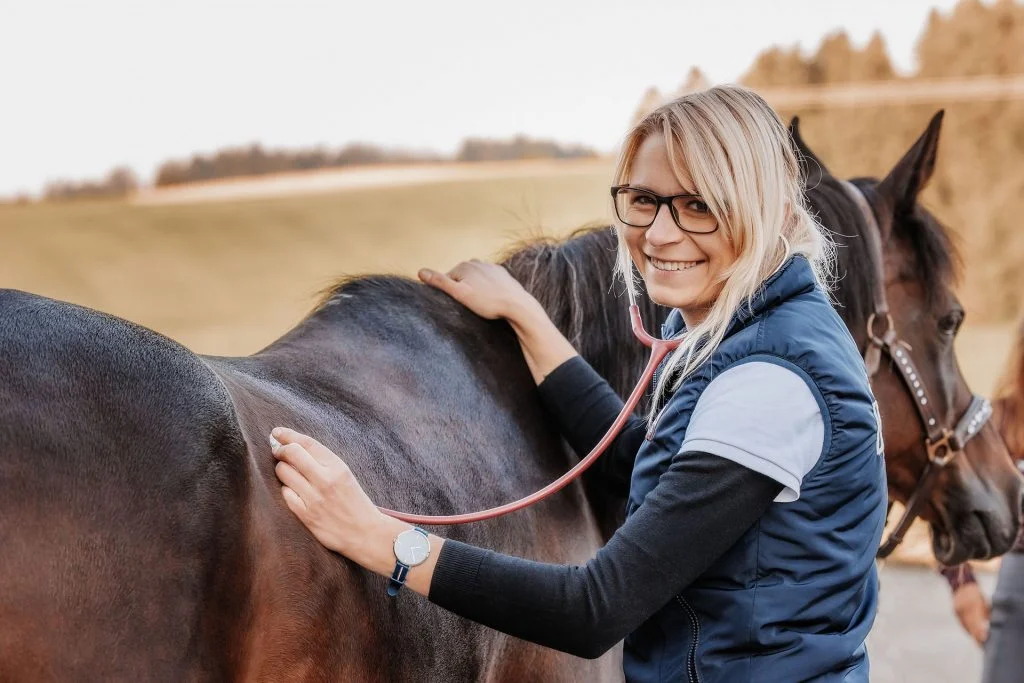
column 274, row 444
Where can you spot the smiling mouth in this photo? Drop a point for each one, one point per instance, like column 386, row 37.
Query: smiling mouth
column 673, row 265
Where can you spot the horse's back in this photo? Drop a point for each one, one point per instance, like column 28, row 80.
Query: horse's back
column 124, row 481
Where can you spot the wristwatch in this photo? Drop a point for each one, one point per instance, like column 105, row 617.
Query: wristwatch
column 412, row 547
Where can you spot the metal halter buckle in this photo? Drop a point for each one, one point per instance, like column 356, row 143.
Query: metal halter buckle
column 890, row 327
column 944, row 444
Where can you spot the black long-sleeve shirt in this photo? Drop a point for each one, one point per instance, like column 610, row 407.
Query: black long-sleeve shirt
column 584, row 406
column 700, row 507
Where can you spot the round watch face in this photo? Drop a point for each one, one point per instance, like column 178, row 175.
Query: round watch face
column 412, row 548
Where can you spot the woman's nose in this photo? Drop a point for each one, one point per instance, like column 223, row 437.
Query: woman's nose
column 664, row 229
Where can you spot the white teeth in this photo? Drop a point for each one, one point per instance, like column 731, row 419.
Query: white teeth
column 673, row 265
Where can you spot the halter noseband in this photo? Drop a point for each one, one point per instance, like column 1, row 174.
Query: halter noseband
column 941, row 443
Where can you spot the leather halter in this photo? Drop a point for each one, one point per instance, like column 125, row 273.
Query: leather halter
column 941, row 443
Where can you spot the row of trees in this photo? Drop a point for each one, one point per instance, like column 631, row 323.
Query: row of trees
column 120, row 182
column 254, row 160
column 233, row 162
column 978, row 186
column 519, row 147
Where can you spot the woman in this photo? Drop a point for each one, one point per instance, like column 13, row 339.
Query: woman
column 999, row 626
column 755, row 506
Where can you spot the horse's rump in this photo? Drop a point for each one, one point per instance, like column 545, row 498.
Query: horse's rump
column 123, row 478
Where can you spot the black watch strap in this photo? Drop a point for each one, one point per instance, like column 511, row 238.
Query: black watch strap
column 397, row 579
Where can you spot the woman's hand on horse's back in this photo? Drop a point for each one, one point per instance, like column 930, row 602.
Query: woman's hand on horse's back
column 491, row 292
column 487, row 289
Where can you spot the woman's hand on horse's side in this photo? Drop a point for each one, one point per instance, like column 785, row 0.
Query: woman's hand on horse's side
column 323, row 493
column 321, row 490
column 487, row 289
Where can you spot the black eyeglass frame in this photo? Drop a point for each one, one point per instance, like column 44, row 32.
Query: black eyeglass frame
column 659, row 199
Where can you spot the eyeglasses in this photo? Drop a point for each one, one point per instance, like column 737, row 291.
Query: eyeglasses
column 638, row 208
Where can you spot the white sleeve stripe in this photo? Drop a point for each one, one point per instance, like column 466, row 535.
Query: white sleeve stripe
column 763, row 415
column 789, row 481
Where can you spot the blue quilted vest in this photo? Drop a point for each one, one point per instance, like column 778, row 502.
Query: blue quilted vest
column 794, row 598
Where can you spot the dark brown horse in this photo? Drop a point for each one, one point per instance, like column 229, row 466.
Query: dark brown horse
column 144, row 536
column 974, row 507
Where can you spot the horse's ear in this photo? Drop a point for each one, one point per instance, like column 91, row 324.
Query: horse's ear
column 811, row 168
column 908, row 177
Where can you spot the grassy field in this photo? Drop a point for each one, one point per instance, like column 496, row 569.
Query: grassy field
column 228, row 278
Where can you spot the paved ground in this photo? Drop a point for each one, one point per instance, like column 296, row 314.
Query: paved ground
column 916, row 638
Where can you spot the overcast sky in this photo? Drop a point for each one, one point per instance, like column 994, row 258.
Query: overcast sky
column 85, row 86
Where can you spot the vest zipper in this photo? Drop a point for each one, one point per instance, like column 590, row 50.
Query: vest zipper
column 691, row 659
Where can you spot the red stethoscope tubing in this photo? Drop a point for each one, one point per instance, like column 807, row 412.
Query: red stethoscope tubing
column 659, row 349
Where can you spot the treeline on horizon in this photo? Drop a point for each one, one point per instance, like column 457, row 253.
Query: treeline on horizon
column 255, row 160
column 977, row 189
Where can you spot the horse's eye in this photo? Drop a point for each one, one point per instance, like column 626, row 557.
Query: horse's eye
column 949, row 324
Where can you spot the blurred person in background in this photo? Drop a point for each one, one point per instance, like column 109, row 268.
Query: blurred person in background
column 999, row 626
column 758, row 500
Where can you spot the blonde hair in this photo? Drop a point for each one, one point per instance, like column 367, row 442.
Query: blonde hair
column 739, row 155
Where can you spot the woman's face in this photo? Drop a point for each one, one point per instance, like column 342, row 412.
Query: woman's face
column 681, row 269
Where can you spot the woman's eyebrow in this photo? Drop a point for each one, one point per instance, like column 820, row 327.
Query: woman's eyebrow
column 686, row 191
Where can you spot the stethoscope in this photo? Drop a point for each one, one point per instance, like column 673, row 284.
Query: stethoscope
column 659, row 349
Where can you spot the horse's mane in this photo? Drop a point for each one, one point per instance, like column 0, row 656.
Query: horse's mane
column 935, row 260
column 572, row 278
